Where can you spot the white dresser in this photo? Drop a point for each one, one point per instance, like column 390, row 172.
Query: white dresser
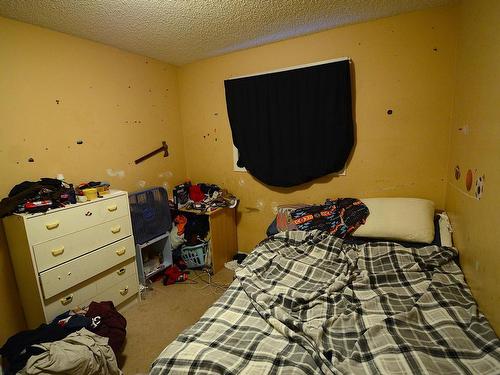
column 71, row 256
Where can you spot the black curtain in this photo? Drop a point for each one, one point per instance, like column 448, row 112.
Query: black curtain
column 294, row 126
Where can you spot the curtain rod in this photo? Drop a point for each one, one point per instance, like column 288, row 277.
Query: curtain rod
column 293, row 67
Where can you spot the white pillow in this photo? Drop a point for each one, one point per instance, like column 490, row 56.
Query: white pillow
column 403, row 219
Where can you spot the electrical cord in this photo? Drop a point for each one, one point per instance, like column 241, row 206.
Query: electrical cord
column 215, row 287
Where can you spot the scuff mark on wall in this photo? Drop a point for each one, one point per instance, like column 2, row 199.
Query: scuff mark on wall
column 251, row 209
column 166, row 174
column 260, row 204
column 117, row 173
column 141, row 183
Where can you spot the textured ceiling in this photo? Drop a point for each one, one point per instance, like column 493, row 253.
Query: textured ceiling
column 182, row 31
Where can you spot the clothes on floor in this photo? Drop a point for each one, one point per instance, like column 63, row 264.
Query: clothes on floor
column 19, row 348
column 174, row 274
column 72, row 321
column 100, row 317
column 108, row 322
column 80, row 353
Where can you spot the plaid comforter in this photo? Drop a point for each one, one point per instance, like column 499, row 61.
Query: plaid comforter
column 308, row 302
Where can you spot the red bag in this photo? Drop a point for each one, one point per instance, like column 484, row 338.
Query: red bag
column 195, row 193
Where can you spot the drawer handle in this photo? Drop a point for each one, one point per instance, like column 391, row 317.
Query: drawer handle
column 112, row 208
column 124, row 291
column 67, row 300
column 121, row 271
column 116, row 229
column 53, row 225
column 121, row 251
column 58, row 251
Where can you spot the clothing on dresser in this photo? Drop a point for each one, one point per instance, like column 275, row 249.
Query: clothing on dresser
column 80, row 353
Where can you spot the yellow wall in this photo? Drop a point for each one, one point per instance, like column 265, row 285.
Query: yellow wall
column 476, row 107
column 119, row 104
column 122, row 105
column 404, row 63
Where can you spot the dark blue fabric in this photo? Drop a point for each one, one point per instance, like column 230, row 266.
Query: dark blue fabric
column 294, row 126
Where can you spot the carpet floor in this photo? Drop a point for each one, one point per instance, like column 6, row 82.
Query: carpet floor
column 163, row 313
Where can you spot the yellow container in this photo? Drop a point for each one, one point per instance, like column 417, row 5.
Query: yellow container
column 90, row 193
column 101, row 190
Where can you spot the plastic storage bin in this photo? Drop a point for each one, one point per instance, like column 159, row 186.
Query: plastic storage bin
column 194, row 256
column 150, row 214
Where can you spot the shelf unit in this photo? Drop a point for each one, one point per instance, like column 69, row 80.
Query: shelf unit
column 151, row 222
column 165, row 248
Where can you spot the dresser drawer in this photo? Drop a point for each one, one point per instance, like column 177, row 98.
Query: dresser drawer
column 61, row 222
column 108, row 286
column 121, row 291
column 116, row 275
column 71, row 299
column 66, row 275
column 57, row 251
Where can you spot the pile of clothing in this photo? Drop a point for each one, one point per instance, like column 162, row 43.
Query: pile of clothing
column 202, row 197
column 188, row 229
column 37, row 196
column 340, row 216
column 82, row 341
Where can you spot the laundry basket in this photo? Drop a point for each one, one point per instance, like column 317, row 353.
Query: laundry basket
column 194, row 256
column 150, row 214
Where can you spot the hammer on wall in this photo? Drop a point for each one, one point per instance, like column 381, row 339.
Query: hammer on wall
column 163, row 148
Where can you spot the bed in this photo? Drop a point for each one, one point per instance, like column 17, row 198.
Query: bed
column 307, row 302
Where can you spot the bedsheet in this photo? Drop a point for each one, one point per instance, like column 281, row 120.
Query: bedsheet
column 308, row 302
